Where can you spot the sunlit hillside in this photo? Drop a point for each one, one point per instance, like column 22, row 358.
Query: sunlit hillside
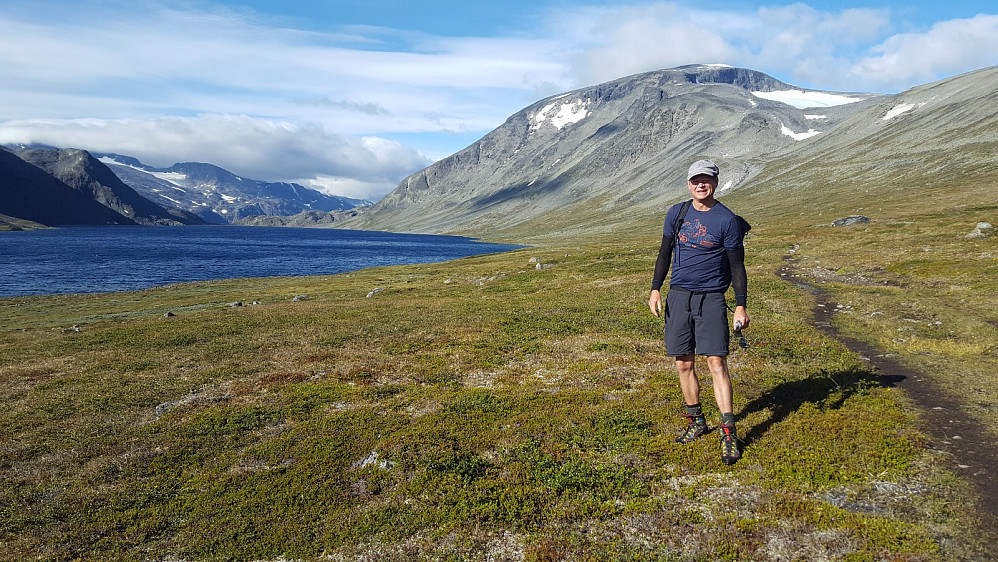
column 520, row 406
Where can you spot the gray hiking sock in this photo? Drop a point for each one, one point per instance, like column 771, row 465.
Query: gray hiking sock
column 728, row 418
column 693, row 410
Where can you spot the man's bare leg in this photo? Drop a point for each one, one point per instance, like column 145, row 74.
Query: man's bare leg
column 690, row 385
column 688, row 381
column 722, row 383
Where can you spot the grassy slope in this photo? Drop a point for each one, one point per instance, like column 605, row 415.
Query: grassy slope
column 483, row 407
column 911, row 281
column 13, row 223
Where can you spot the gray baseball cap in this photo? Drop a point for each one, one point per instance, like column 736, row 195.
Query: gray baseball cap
column 706, row 167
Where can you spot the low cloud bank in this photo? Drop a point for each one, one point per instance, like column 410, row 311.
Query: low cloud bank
column 362, row 167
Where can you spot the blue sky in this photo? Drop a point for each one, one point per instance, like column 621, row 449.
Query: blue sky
column 350, row 97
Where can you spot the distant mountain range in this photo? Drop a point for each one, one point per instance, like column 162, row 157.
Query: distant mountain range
column 53, row 186
column 32, row 195
column 71, row 187
column 578, row 161
column 219, row 196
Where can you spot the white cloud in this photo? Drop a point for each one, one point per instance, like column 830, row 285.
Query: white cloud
column 609, row 43
column 258, row 96
column 347, row 187
column 949, row 47
column 264, row 101
column 257, row 148
column 847, row 50
column 796, row 42
column 167, row 61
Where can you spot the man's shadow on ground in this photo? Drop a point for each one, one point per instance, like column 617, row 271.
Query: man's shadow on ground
column 788, row 397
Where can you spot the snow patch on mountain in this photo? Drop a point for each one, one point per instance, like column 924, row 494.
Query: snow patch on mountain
column 173, row 178
column 560, row 114
column 174, row 201
column 802, row 99
column 898, row 110
column 798, row 136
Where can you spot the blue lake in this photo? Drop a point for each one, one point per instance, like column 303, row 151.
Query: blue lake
column 125, row 258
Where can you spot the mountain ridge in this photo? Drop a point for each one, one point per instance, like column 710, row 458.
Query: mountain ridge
column 622, row 143
column 578, row 161
column 81, row 171
column 42, row 185
column 218, row 195
column 929, row 133
column 29, row 193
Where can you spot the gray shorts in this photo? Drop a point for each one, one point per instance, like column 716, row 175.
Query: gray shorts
column 696, row 323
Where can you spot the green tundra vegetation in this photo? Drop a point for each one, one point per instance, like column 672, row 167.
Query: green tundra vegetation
column 487, row 408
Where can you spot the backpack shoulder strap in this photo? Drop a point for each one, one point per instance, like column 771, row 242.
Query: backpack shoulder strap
column 679, row 218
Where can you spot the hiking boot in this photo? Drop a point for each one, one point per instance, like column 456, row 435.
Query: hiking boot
column 696, row 427
column 730, row 446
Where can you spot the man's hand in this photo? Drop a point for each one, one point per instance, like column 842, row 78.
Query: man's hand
column 740, row 317
column 655, row 302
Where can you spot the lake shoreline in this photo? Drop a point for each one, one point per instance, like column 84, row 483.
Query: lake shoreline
column 87, row 260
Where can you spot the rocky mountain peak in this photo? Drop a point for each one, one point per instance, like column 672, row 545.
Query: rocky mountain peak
column 79, row 170
column 625, row 141
column 747, row 79
column 218, row 195
column 571, row 161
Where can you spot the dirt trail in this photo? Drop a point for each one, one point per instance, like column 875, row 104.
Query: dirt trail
column 964, row 442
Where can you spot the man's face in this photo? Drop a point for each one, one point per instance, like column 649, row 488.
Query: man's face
column 702, row 187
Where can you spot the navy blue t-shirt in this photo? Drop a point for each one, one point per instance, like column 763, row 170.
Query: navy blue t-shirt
column 699, row 261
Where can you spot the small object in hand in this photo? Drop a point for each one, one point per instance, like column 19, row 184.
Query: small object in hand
column 741, row 339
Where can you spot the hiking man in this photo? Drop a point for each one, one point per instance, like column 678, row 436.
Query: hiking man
column 702, row 241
